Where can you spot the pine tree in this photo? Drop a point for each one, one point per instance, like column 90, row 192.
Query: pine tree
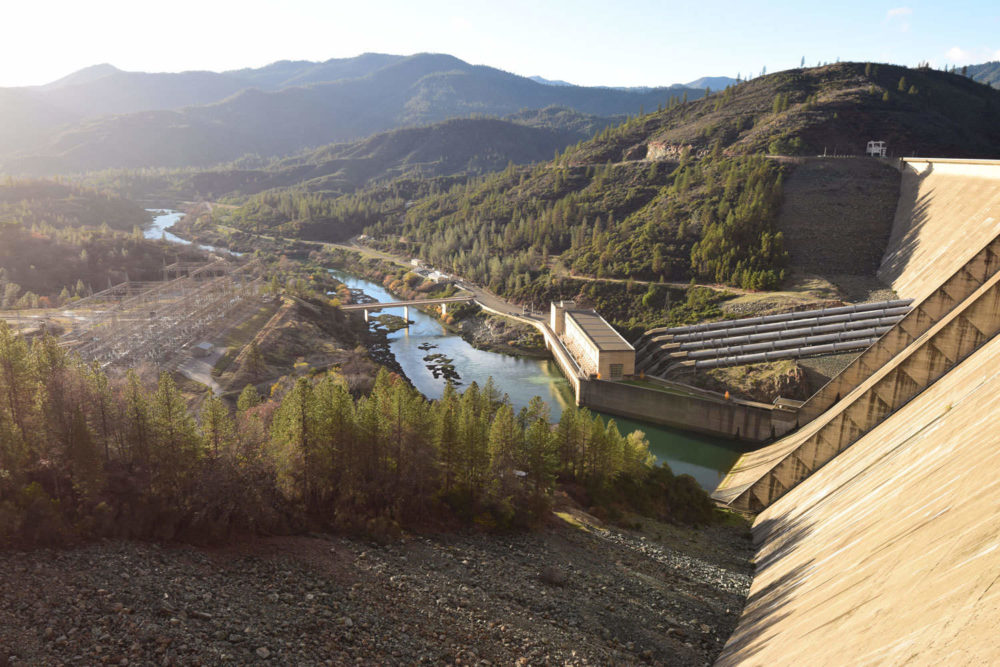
column 138, row 427
column 541, row 461
column 566, row 441
column 292, row 440
column 176, row 443
column 84, row 457
column 249, row 398
column 51, row 368
column 504, row 444
column 16, row 388
column 336, row 455
column 638, row 460
column 473, row 441
column 255, row 360
column 103, row 407
column 217, row 427
column 446, row 435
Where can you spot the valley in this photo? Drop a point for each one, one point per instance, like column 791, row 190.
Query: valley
column 661, row 359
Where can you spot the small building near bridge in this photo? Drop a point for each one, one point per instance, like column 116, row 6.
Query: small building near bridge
column 598, row 349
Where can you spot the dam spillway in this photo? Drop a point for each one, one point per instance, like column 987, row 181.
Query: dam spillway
column 876, row 521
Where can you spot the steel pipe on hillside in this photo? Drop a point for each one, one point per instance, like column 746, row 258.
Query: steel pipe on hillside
column 807, row 341
column 831, row 348
column 783, row 317
column 896, row 312
column 784, row 334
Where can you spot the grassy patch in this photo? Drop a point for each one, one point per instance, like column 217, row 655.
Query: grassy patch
column 572, row 520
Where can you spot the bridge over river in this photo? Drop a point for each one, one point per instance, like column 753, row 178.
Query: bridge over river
column 405, row 305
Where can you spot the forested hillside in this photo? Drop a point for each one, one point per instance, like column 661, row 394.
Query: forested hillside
column 988, row 73
column 460, row 146
column 60, row 241
column 84, row 454
column 709, row 219
column 835, row 109
column 676, row 194
column 30, row 202
column 303, row 110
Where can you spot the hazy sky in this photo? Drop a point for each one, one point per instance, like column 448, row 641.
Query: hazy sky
column 642, row 42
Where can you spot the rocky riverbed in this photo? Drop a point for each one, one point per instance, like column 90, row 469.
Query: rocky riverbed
column 573, row 592
column 500, row 334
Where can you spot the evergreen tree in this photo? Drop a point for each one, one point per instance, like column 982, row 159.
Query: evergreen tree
column 104, row 408
column 176, row 441
column 138, row 428
column 249, row 398
column 446, row 434
column 217, row 427
column 84, row 457
column 16, row 390
column 292, row 441
column 541, row 460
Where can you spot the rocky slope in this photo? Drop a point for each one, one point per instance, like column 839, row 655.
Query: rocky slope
column 573, row 593
column 490, row 332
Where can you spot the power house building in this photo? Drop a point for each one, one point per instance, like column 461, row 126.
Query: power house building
column 599, row 350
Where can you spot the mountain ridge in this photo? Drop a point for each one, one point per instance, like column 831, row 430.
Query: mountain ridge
column 414, row 90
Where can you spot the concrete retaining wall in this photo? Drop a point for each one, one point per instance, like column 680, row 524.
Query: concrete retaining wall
column 694, row 413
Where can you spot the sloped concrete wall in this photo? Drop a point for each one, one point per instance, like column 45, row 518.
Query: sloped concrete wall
column 948, row 210
column 890, row 554
column 944, row 254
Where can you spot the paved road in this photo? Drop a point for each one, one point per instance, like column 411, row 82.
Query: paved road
column 200, row 370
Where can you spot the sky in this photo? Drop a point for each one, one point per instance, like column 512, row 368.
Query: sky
column 587, row 42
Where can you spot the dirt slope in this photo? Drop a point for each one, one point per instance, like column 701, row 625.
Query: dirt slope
column 837, row 216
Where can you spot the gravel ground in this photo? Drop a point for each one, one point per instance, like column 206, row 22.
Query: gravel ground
column 819, row 370
column 572, row 593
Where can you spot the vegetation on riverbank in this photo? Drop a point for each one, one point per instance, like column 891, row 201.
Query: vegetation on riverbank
column 84, row 454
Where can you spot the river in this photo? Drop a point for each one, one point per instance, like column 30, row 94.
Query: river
column 161, row 223
column 705, row 458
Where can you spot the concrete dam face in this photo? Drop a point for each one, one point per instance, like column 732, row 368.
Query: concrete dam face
column 877, row 525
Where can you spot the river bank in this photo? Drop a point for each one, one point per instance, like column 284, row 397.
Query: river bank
column 494, row 333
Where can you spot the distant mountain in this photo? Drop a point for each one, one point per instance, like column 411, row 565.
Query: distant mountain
column 85, row 75
column 549, row 82
column 713, row 82
column 33, row 114
column 396, row 92
column 563, row 118
column 988, row 73
column 285, row 73
column 470, row 145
